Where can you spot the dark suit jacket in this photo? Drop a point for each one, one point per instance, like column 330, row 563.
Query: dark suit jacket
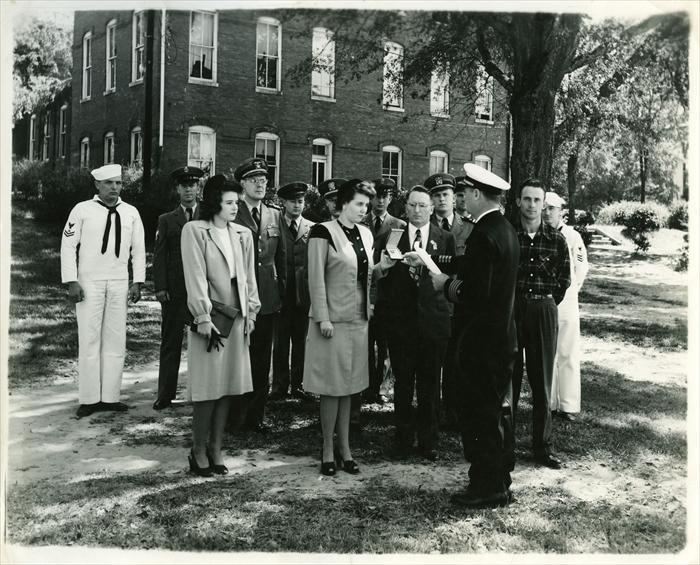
column 390, row 222
column 167, row 258
column 297, row 261
column 460, row 228
column 270, row 255
column 406, row 307
column 488, row 271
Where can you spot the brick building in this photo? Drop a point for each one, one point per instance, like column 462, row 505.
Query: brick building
column 211, row 88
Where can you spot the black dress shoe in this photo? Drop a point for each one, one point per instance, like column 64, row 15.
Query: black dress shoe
column 547, row 460
column 300, row 394
column 196, row 469
column 114, row 406
column 217, row 469
column 87, row 409
column 567, row 416
column 161, row 404
column 472, row 499
column 328, row 468
column 277, row 395
column 349, row 466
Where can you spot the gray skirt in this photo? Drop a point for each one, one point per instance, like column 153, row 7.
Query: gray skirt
column 338, row 366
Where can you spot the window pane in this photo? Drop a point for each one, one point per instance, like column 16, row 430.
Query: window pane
column 261, row 35
column 194, row 146
column 208, row 30
column 272, row 43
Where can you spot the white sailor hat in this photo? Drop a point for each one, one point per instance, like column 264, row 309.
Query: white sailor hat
column 107, row 172
column 553, row 199
column 483, row 179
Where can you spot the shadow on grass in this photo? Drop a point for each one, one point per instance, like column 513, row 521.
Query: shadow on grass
column 640, row 332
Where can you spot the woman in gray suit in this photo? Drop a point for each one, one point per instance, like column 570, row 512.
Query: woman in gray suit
column 218, row 261
column 336, row 363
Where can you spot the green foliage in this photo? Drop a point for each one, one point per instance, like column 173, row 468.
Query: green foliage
column 678, row 216
column 26, row 178
column 621, row 213
column 682, row 261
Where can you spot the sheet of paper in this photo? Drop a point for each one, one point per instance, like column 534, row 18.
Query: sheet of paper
column 429, row 263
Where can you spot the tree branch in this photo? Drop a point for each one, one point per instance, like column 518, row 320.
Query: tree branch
column 492, row 68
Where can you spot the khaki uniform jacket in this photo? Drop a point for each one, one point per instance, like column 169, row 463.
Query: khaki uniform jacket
column 460, row 228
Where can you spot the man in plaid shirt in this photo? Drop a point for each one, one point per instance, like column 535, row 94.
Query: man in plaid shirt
column 543, row 277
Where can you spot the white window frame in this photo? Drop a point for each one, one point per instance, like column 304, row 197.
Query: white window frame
column 194, row 161
column 267, row 137
column 482, row 160
column 323, row 64
column 136, row 146
column 269, row 22
column 111, row 57
column 440, row 94
column 33, row 151
column 483, row 106
column 435, row 155
column 62, row 131
column 326, row 159
column 393, row 65
column 200, row 47
column 387, row 172
column 85, row 153
column 138, row 47
column 46, row 136
column 109, row 147
column 86, row 92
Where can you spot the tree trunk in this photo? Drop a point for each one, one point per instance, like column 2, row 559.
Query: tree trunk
column 642, row 175
column 571, row 168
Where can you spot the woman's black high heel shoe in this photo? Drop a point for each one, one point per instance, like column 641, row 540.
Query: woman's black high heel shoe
column 196, row 469
column 349, row 466
column 327, row 467
column 217, row 469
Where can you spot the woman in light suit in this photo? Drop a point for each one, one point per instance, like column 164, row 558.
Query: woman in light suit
column 336, row 365
column 218, row 262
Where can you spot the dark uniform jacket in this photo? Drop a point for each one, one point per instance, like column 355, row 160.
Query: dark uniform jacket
column 297, row 261
column 390, row 222
column 407, row 307
column 460, row 228
column 270, row 255
column 167, row 259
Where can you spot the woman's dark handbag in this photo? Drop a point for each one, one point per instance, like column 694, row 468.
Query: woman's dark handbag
column 222, row 316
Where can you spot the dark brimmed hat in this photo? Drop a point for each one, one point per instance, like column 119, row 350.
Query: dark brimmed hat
column 483, row 179
column 186, row 174
column 249, row 167
column 292, row 190
column 439, row 181
column 385, row 185
column 462, row 183
column 329, row 187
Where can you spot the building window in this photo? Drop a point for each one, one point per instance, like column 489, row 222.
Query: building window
column 109, row 148
column 321, row 160
column 46, row 137
column 87, row 66
column 268, row 53
column 483, row 108
column 438, row 162
column 267, row 146
column 393, row 76
column 201, row 148
column 85, row 152
column 391, row 163
column 483, row 161
column 138, row 50
column 203, row 46
column 440, row 94
column 136, row 152
column 63, row 130
column 111, row 57
column 323, row 69
column 33, row 149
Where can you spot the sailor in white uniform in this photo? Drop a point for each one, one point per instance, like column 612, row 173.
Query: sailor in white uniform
column 98, row 239
column 566, row 381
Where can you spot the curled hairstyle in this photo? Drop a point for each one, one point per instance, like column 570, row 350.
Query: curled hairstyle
column 349, row 189
column 535, row 183
column 212, row 195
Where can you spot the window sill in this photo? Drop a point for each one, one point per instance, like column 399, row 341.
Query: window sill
column 263, row 90
column 441, row 116
column 322, row 98
column 110, row 91
column 202, row 81
column 136, row 82
column 483, row 121
column 394, row 109
column 85, row 99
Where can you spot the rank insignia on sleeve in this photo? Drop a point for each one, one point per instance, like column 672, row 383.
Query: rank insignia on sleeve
column 69, row 231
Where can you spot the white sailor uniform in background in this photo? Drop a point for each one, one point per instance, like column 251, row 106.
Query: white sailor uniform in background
column 566, row 379
column 104, row 277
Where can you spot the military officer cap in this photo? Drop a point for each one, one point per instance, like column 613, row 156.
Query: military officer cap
column 385, row 185
column 292, row 190
column 439, row 181
column 249, row 167
column 329, row 187
column 462, row 183
column 484, row 180
column 107, row 172
column 553, row 199
column 186, row 175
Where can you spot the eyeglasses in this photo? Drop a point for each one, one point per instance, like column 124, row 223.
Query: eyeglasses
column 257, row 180
column 418, row 205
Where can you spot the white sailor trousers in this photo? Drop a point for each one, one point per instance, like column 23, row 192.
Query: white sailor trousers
column 101, row 339
column 566, row 380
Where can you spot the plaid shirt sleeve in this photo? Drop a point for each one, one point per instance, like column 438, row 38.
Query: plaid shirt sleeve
column 544, row 263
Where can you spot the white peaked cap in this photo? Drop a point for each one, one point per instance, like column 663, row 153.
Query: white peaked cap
column 553, row 199
column 484, row 179
column 107, row 172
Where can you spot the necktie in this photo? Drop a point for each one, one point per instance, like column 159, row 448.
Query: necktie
column 445, row 224
column 293, row 228
column 415, row 272
column 418, row 241
column 189, row 214
column 377, row 224
column 256, row 217
column 117, row 228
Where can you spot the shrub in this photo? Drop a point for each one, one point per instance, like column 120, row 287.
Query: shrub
column 27, row 178
column 678, row 216
column 639, row 223
column 682, row 261
column 618, row 213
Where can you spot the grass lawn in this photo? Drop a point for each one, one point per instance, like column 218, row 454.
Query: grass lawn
column 120, row 480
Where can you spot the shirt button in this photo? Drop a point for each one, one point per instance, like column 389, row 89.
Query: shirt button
column 532, row 275
column 259, row 264
column 532, row 259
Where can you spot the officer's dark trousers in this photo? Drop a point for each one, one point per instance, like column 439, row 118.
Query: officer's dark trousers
column 292, row 325
column 260, row 360
column 172, row 330
column 536, row 320
column 449, row 378
column 416, row 361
